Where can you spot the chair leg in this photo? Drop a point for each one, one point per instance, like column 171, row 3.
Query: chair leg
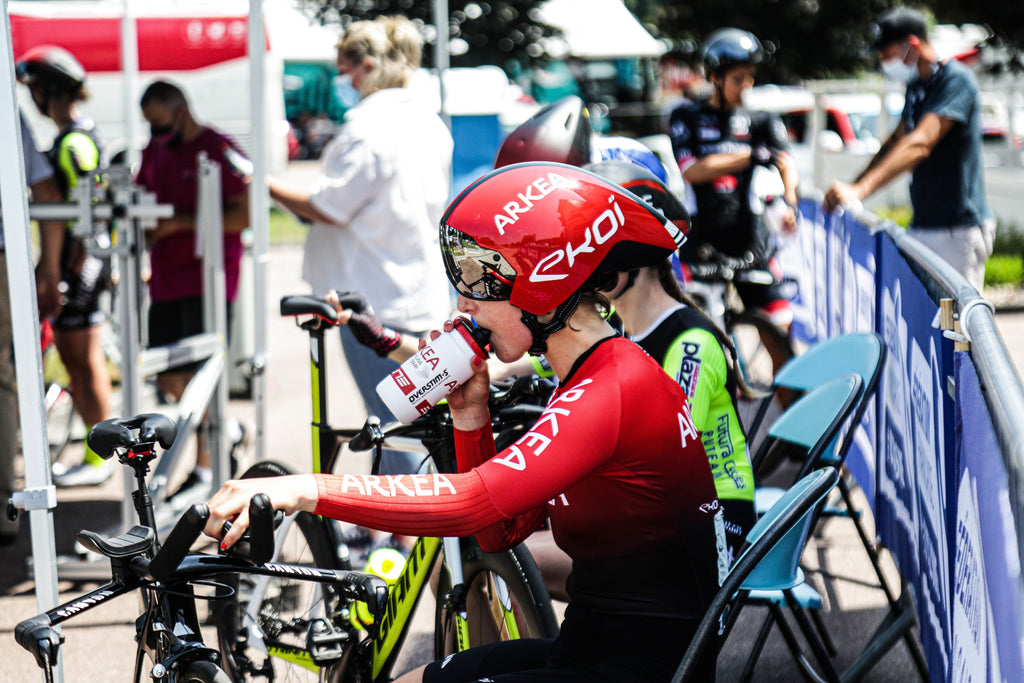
column 897, row 605
column 811, row 637
column 755, row 653
column 868, row 544
column 822, row 631
column 794, row 647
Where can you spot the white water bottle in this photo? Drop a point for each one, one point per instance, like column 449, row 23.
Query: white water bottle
column 435, row 371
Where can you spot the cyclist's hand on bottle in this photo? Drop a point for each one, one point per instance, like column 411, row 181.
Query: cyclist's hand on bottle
column 355, row 311
column 468, row 403
column 290, row 494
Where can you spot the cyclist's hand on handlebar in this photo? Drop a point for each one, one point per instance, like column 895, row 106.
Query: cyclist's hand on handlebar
column 289, row 494
column 468, row 403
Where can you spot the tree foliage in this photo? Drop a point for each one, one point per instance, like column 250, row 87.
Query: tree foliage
column 500, row 32
column 818, row 39
column 808, row 39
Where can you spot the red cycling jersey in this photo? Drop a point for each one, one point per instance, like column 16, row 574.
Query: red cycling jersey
column 614, row 461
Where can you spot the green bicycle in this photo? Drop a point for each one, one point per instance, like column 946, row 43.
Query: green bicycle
column 281, row 629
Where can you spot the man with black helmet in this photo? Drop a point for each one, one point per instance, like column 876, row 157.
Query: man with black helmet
column 56, row 81
column 718, row 146
column 938, row 139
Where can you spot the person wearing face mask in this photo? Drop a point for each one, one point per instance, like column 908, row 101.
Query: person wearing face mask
column 69, row 279
column 938, row 139
column 168, row 168
column 385, row 180
column 718, row 146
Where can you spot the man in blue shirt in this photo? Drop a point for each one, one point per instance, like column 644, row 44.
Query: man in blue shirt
column 939, row 139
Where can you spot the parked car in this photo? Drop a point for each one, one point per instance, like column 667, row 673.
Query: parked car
column 852, row 120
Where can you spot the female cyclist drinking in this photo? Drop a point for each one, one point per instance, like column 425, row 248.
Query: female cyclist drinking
column 615, row 462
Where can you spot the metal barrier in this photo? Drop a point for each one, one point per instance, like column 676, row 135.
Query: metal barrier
column 1004, row 394
column 947, row 507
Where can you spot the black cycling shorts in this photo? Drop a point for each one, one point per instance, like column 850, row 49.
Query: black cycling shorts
column 170, row 321
column 592, row 646
column 81, row 299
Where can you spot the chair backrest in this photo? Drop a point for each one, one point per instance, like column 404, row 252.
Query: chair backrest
column 858, row 353
column 783, row 530
column 814, row 420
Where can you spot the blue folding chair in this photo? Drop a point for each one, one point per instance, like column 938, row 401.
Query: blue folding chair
column 770, row 559
column 862, row 354
column 859, row 353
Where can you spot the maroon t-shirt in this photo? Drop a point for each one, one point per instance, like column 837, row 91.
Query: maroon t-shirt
column 171, row 173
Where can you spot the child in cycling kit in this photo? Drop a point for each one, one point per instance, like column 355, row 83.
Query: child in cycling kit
column 725, row 215
column 57, row 83
column 630, row 496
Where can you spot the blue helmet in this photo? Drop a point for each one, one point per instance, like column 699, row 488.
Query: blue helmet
column 617, row 148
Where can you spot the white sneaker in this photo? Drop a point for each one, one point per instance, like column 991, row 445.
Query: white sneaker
column 84, row 474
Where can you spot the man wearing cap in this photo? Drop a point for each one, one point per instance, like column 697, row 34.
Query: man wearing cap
column 939, row 139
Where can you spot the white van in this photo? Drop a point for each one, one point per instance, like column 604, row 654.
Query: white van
column 200, row 45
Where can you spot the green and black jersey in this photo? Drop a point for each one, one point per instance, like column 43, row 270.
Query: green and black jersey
column 685, row 345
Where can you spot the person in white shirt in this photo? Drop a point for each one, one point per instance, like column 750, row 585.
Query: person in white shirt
column 385, row 181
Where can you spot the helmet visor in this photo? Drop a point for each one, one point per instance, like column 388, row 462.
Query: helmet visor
column 474, row 271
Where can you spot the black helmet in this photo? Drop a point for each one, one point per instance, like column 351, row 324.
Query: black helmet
column 560, row 132
column 52, row 67
column 729, row 47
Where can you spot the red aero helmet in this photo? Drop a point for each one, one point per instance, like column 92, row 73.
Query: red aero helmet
column 533, row 233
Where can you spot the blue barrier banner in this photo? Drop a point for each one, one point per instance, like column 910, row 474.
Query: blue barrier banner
column 855, row 250
column 986, row 620
column 802, row 258
column 911, row 500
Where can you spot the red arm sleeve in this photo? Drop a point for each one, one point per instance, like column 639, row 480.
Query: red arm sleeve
column 409, row 504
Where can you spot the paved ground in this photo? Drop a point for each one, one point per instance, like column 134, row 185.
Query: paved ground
column 100, row 643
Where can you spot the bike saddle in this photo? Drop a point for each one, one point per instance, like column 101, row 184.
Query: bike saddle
column 108, row 436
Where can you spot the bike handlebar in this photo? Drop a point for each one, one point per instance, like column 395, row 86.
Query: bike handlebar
column 176, row 546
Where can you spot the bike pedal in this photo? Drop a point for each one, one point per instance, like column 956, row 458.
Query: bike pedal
column 325, row 644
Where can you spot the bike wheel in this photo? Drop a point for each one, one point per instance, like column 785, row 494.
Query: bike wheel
column 272, row 644
column 487, row 576
column 60, row 415
column 761, row 347
column 202, row 672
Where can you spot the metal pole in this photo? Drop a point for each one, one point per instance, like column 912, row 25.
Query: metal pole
column 130, row 68
column 210, row 238
column 441, row 61
column 258, row 216
column 40, row 497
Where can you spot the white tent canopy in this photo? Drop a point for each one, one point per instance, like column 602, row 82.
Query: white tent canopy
column 600, row 29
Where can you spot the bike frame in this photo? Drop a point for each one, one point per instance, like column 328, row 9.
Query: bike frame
column 405, row 592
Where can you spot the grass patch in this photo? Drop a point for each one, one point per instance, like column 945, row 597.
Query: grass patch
column 1004, row 269
column 900, row 215
column 284, row 228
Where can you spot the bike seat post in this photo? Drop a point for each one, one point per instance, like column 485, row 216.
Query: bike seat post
column 323, row 439
column 138, row 458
